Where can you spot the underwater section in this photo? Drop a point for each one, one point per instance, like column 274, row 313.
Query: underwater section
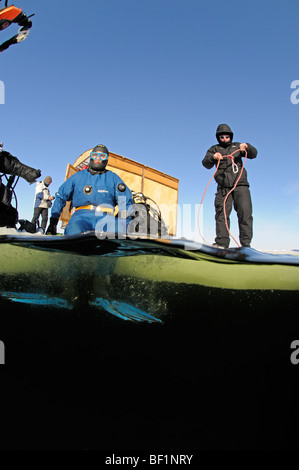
column 174, row 348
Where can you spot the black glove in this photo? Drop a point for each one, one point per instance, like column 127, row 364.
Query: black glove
column 29, row 174
column 23, row 21
column 52, row 227
column 11, row 165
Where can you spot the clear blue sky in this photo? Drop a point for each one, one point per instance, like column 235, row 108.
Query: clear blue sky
column 152, row 79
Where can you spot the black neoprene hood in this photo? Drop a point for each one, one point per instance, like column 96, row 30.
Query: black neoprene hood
column 224, row 129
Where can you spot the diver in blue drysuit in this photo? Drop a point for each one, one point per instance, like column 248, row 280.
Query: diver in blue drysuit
column 94, row 193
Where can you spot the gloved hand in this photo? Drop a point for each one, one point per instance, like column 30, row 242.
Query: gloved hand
column 24, row 21
column 52, row 227
column 12, row 166
column 29, row 174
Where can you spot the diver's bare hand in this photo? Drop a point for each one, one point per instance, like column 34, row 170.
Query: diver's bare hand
column 218, row 156
column 243, row 147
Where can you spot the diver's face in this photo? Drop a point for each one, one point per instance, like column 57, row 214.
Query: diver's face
column 98, row 160
column 224, row 138
column 98, row 157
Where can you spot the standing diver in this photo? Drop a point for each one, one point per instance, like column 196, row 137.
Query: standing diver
column 226, row 178
column 94, row 193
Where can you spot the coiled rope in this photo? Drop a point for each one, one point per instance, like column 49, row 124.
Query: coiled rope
column 231, row 156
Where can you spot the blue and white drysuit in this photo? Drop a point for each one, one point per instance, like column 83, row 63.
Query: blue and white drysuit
column 101, row 189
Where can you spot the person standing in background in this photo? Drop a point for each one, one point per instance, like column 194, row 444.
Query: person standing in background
column 42, row 203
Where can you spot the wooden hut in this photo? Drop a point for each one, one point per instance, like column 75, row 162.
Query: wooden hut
column 154, row 184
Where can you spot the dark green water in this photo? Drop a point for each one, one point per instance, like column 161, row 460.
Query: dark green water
column 213, row 372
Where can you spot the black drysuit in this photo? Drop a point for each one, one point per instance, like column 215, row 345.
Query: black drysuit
column 226, row 178
column 12, row 166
